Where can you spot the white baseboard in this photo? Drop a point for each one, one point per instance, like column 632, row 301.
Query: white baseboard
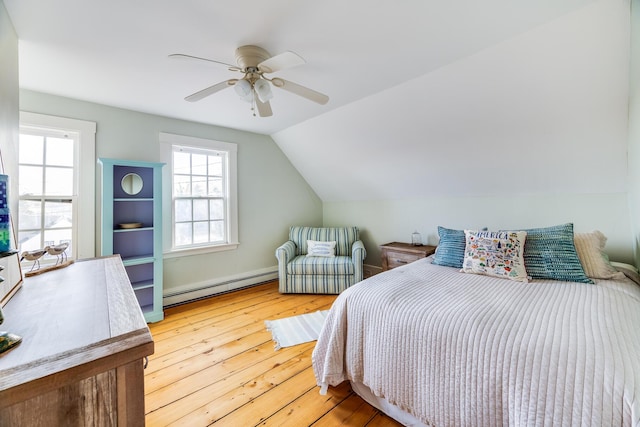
column 192, row 291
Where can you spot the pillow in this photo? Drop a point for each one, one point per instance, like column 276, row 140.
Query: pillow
column 495, row 253
column 450, row 250
column 549, row 253
column 326, row 249
column 628, row 270
column 595, row 262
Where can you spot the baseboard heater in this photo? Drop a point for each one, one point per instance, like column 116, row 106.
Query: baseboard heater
column 195, row 291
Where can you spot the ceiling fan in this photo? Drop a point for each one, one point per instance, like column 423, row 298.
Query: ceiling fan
column 254, row 86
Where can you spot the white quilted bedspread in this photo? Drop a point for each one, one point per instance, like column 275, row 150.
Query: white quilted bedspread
column 459, row 349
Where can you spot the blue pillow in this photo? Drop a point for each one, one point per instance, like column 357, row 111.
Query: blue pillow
column 450, row 251
column 549, row 253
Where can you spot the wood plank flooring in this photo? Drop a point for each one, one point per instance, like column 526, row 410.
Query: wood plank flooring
column 215, row 364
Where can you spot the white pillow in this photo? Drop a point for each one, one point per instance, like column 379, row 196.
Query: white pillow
column 495, row 253
column 595, row 262
column 325, row 249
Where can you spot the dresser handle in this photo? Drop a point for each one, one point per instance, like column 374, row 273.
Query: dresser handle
column 401, row 261
column 146, row 362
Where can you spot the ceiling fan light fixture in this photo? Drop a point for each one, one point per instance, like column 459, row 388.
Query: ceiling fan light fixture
column 263, row 89
column 244, row 90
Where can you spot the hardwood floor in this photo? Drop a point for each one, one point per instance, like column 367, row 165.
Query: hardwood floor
column 215, row 363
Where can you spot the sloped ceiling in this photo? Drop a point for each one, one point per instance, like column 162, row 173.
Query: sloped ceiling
column 542, row 112
column 412, row 84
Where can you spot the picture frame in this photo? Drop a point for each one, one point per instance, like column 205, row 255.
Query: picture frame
column 11, row 272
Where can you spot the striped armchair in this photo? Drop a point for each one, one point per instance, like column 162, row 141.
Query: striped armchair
column 304, row 274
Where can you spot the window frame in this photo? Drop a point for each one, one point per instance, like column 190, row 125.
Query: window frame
column 84, row 166
column 167, row 143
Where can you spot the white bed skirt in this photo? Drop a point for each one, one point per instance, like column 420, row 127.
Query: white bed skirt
column 385, row 406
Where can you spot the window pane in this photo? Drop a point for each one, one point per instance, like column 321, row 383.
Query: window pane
column 29, row 240
column 55, row 237
column 215, row 165
column 200, row 232
column 216, row 209
column 198, row 164
column 29, row 214
column 200, row 210
column 215, row 187
column 59, row 182
column 58, row 214
column 217, row 231
column 31, row 149
column 199, row 186
column 30, row 180
column 181, row 163
column 60, row 152
column 183, row 210
column 183, row 234
column 181, row 185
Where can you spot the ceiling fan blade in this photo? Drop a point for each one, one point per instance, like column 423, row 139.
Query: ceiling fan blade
column 279, row 62
column 183, row 57
column 299, row 90
column 264, row 108
column 210, row 90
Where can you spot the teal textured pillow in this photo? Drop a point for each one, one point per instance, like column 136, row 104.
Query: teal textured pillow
column 450, row 251
column 549, row 253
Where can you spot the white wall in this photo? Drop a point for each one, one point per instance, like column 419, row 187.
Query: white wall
column 634, row 129
column 271, row 194
column 383, row 221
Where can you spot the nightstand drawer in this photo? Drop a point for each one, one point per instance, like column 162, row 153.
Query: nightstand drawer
column 397, row 259
column 397, row 254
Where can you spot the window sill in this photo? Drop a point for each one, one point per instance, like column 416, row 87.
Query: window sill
column 175, row 253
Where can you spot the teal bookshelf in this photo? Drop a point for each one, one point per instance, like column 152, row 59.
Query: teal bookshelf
column 132, row 227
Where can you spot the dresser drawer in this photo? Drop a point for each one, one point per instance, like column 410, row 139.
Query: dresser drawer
column 397, row 259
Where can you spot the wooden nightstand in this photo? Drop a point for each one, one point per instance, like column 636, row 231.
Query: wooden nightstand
column 396, row 254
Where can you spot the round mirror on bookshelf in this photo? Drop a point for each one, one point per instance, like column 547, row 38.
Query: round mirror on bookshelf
column 131, row 183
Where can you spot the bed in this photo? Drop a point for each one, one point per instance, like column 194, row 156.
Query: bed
column 431, row 345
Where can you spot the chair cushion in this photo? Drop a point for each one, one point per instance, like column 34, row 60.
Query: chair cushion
column 344, row 237
column 335, row 266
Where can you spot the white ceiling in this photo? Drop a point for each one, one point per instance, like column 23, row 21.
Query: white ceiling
column 427, row 97
column 116, row 52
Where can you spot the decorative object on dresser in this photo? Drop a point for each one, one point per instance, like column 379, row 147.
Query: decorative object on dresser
column 396, row 254
column 320, row 260
column 132, row 226
column 7, row 339
column 81, row 359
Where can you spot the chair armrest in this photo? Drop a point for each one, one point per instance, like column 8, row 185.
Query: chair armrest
column 286, row 252
column 358, row 252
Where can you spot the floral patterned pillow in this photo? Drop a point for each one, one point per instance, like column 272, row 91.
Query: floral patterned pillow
column 495, row 253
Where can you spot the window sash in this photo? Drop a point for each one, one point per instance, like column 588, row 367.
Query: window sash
column 50, row 234
column 190, row 227
column 198, row 145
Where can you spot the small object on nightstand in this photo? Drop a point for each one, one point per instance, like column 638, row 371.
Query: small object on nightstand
column 416, row 239
column 396, row 254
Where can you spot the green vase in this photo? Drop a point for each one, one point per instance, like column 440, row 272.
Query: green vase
column 7, row 340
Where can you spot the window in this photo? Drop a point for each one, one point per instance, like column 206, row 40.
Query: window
column 56, row 185
column 200, row 176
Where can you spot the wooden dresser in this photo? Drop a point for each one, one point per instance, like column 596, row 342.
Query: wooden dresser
column 84, row 340
column 396, row 254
